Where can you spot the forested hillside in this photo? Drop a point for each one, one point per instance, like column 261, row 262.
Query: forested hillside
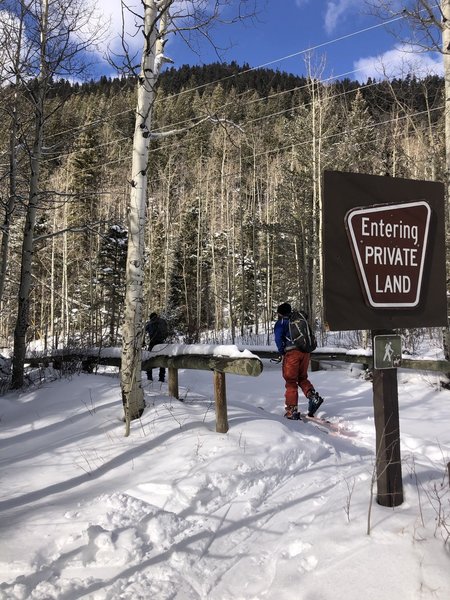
column 234, row 203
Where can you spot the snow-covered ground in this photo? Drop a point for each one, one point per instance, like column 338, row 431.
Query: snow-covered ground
column 274, row 509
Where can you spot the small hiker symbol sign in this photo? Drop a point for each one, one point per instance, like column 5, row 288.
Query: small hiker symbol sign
column 387, row 351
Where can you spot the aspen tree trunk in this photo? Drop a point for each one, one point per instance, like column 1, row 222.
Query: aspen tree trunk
column 64, row 329
column 214, row 282
column 242, row 251
column 298, row 262
column 53, row 49
column 52, row 289
column 133, row 330
column 30, row 219
column 167, row 241
column 4, row 250
column 297, row 255
column 445, row 7
column 220, row 282
column 314, row 249
column 9, row 209
column 255, row 197
column 270, row 216
column 215, row 275
column 232, row 262
column 319, row 308
column 317, row 281
column 394, row 147
column 199, row 267
column 43, row 316
column 11, row 199
column 150, row 287
column 230, row 274
column 93, row 253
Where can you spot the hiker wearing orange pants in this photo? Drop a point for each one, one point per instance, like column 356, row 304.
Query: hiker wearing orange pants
column 295, row 367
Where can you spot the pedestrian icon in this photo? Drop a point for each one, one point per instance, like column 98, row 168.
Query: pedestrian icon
column 387, row 351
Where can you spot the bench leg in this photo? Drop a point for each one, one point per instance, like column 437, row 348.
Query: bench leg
column 173, row 383
column 220, row 396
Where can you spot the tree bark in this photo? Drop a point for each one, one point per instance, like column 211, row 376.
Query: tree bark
column 13, row 142
column 445, row 7
column 133, row 332
column 21, row 327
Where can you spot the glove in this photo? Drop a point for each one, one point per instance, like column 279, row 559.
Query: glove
column 278, row 359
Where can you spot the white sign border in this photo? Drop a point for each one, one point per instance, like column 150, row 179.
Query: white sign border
column 348, row 218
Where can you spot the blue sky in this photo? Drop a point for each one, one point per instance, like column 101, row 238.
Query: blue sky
column 286, row 28
column 345, row 39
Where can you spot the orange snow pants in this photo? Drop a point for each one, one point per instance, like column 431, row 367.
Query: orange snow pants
column 295, row 373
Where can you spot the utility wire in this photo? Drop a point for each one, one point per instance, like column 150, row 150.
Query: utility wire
column 245, row 104
column 177, row 144
column 298, row 53
column 249, row 70
column 264, row 98
column 290, row 146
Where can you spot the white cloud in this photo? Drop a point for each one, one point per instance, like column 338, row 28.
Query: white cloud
column 112, row 11
column 398, row 62
column 104, row 12
column 336, row 9
column 9, row 26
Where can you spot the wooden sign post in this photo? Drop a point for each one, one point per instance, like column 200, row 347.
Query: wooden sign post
column 384, row 269
column 387, row 424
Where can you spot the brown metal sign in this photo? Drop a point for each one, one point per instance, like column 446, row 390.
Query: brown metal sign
column 389, row 245
column 384, row 264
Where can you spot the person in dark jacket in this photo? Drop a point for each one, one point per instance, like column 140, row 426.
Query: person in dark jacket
column 294, row 367
column 156, row 330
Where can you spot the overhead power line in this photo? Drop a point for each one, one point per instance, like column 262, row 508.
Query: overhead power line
column 250, row 69
column 243, row 124
column 291, row 145
column 191, row 120
column 293, row 54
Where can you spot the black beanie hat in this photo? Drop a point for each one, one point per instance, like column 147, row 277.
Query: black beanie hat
column 284, row 309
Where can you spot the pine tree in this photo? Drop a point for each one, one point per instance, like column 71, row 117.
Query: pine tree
column 111, row 277
column 190, row 281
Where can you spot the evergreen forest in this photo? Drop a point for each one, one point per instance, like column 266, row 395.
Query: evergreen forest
column 234, row 201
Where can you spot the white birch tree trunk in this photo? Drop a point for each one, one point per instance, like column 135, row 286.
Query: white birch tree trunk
column 30, row 220
column 199, row 273
column 445, row 7
column 317, row 123
column 54, row 51
column 9, row 209
column 52, row 288
column 13, row 142
column 133, row 330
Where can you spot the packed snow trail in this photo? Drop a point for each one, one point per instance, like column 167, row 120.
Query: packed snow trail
column 274, row 509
